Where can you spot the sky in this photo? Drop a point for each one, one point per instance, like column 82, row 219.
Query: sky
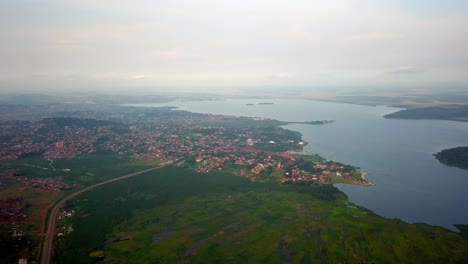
column 220, row 45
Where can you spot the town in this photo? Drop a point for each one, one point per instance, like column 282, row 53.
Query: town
column 255, row 148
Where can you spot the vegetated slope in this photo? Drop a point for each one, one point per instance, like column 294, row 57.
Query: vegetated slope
column 444, row 112
column 178, row 215
column 457, row 157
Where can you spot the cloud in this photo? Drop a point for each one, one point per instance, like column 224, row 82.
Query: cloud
column 372, row 36
column 174, row 53
column 280, row 76
column 72, row 40
column 106, row 75
column 405, row 70
column 224, row 42
column 106, row 5
column 121, row 76
column 138, row 76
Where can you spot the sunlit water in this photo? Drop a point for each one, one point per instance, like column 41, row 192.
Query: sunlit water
column 397, row 154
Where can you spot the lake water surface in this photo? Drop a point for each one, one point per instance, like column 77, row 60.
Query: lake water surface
column 397, row 154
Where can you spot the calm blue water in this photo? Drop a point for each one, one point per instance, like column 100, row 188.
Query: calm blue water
column 397, row 154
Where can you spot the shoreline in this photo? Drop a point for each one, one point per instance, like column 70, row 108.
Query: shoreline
column 451, row 216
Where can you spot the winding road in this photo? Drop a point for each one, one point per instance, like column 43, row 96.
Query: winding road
column 47, row 247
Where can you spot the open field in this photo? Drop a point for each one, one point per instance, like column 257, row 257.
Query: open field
column 35, row 202
column 83, row 170
column 177, row 215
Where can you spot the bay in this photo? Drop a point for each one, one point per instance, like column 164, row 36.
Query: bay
column 410, row 184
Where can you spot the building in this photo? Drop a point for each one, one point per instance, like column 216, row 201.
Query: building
column 59, row 144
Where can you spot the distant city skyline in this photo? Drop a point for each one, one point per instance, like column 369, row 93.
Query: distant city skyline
column 223, row 46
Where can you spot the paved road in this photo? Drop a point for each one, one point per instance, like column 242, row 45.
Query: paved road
column 47, row 249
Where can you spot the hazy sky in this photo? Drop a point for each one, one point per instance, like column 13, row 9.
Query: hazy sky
column 219, row 44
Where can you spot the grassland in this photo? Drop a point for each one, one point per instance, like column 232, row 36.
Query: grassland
column 177, row 215
column 310, row 157
column 83, row 170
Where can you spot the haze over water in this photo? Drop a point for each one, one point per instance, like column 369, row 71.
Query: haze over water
column 410, row 183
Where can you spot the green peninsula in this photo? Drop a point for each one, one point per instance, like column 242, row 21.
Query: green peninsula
column 317, row 122
column 457, row 157
column 442, row 112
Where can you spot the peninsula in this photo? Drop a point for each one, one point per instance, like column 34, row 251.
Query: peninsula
column 442, row 112
column 318, row 122
column 457, row 157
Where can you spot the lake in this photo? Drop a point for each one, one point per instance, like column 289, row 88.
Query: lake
column 410, row 184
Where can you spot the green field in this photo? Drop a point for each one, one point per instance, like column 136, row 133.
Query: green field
column 177, row 215
column 310, row 157
column 82, row 170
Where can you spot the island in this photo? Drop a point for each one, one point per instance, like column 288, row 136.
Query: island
column 456, row 157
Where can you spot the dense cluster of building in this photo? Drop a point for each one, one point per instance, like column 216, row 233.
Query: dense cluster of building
column 13, row 210
column 201, row 140
column 207, row 143
column 46, row 184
